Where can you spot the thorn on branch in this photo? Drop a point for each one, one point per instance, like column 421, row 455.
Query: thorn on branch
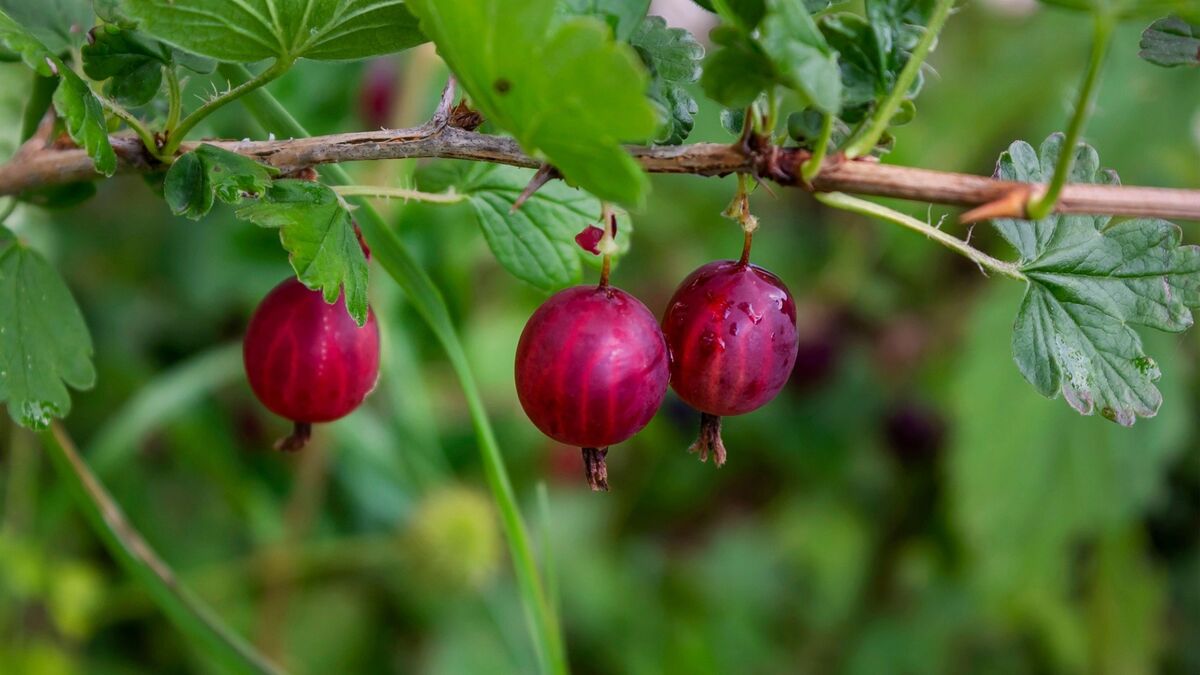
column 545, row 174
column 1011, row 205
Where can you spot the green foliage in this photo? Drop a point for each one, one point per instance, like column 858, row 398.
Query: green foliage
column 537, row 243
column 60, row 25
column 73, row 100
column 198, row 177
column 672, row 56
column 763, row 45
column 133, row 64
column 315, row 228
column 1171, row 41
column 623, row 16
column 540, row 84
column 1087, row 284
column 872, row 51
column 1030, row 481
column 253, row 30
column 44, row 343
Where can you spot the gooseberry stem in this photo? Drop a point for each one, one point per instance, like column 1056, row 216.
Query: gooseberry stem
column 747, row 238
column 607, row 242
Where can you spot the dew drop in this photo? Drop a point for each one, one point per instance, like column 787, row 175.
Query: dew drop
column 36, row 414
column 754, row 315
column 733, row 328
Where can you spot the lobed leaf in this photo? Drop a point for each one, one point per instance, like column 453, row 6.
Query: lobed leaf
column 132, row 64
column 253, row 30
column 316, row 230
column 1087, row 284
column 779, row 45
column 672, row 56
column 84, row 117
column 73, row 100
column 1170, row 42
column 622, row 16
column 565, row 90
column 197, row 178
column 44, row 343
column 537, row 243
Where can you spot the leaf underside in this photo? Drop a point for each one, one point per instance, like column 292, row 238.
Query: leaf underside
column 1089, row 282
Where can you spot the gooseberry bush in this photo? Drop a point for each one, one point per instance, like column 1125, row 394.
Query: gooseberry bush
column 561, row 110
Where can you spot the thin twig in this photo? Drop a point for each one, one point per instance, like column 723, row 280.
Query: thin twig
column 54, row 166
column 864, row 207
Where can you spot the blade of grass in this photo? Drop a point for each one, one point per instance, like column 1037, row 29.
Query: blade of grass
column 390, row 252
column 192, row 617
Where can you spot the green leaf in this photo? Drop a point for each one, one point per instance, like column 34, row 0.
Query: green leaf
column 623, row 16
column 73, row 100
column 872, row 51
column 1030, row 480
column 537, row 243
column 571, row 94
column 35, row 55
column 316, row 230
column 208, row 172
column 44, row 342
column 133, row 63
column 738, row 72
column 59, row 25
column 253, row 30
column 1171, row 41
column 1088, row 283
column 81, row 111
column 803, row 60
column 672, row 56
column 744, row 14
column 787, row 50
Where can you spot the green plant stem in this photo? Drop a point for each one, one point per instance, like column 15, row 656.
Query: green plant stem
column 195, row 619
column 1041, row 207
column 134, row 123
column 812, row 165
column 390, row 252
column 174, row 100
column 279, row 67
column 40, row 95
column 406, row 194
column 882, row 117
column 549, row 567
column 845, row 202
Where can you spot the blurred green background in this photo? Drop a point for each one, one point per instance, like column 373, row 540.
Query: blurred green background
column 908, row 504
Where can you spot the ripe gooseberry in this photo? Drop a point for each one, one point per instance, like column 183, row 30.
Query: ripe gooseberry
column 591, row 371
column 307, row 360
column 731, row 327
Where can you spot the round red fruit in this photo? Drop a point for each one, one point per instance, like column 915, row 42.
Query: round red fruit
column 591, row 370
column 731, row 327
column 306, row 359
